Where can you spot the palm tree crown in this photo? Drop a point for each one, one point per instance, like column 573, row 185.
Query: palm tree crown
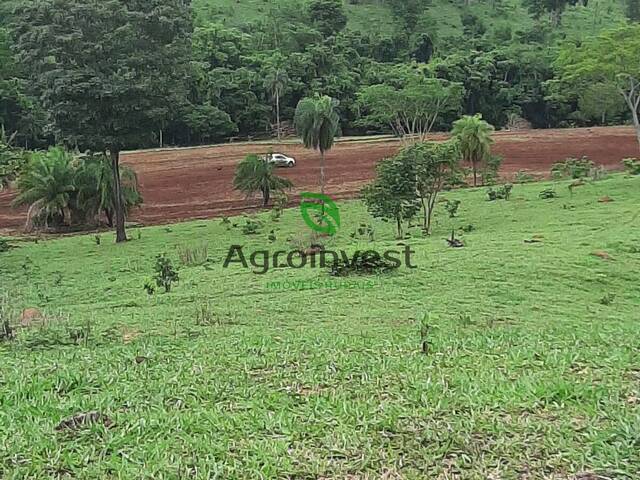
column 255, row 174
column 317, row 123
column 47, row 186
column 474, row 137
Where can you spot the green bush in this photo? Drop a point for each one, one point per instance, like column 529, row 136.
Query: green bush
column 365, row 263
column 524, row 177
column 490, row 175
column 572, row 168
column 4, row 245
column 365, row 231
column 547, row 193
column 12, row 160
column 251, row 227
column 165, row 274
column 452, row 207
column 632, row 165
column 502, row 193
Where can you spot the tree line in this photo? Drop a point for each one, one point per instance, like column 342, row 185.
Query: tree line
column 105, row 76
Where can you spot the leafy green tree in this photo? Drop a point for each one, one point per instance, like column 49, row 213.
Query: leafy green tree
column 94, row 189
column 47, row 187
column 474, row 138
column 392, row 195
column 554, row 8
column 412, row 110
column 255, row 174
column 217, row 46
column 317, row 123
column 109, row 72
column 436, row 167
column 12, row 160
column 610, row 58
column 208, row 122
column 633, row 10
column 328, row 16
column 601, row 102
column 19, row 113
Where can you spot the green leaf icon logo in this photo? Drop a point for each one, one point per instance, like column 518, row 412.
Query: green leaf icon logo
column 327, row 218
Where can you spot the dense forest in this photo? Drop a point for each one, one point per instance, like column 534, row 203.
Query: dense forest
column 252, row 61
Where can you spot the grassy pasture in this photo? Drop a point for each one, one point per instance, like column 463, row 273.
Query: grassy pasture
column 533, row 370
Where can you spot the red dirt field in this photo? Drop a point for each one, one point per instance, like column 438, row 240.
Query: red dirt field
column 190, row 183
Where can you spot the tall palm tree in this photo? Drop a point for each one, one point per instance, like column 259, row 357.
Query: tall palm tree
column 47, row 186
column 94, row 183
column 255, row 174
column 276, row 82
column 474, row 137
column 317, row 123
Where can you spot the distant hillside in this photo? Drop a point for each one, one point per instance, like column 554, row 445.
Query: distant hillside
column 444, row 20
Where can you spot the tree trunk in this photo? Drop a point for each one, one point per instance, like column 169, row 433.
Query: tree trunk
column 109, row 214
column 266, row 196
column 636, row 124
column 425, row 221
column 399, row 226
column 475, row 174
column 322, row 179
column 161, row 139
column 278, row 113
column 118, row 206
column 632, row 98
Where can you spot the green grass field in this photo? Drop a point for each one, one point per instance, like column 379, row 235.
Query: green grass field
column 533, row 370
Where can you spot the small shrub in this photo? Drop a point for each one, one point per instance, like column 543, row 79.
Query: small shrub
column 425, row 329
column 97, row 239
column 251, row 227
column 149, row 287
column 505, row 191
column 572, row 168
column 364, row 231
column 452, row 207
column 524, row 177
column 279, row 204
column 4, row 245
column 490, row 174
column 193, row 255
column 547, row 193
column 6, row 330
column 468, row 228
column 599, row 173
column 205, row 316
column 502, row 193
column 632, row 165
column 165, row 275
column 312, row 241
column 364, row 263
column 608, row 299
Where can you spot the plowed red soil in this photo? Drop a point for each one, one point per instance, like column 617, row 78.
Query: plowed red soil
column 188, row 183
